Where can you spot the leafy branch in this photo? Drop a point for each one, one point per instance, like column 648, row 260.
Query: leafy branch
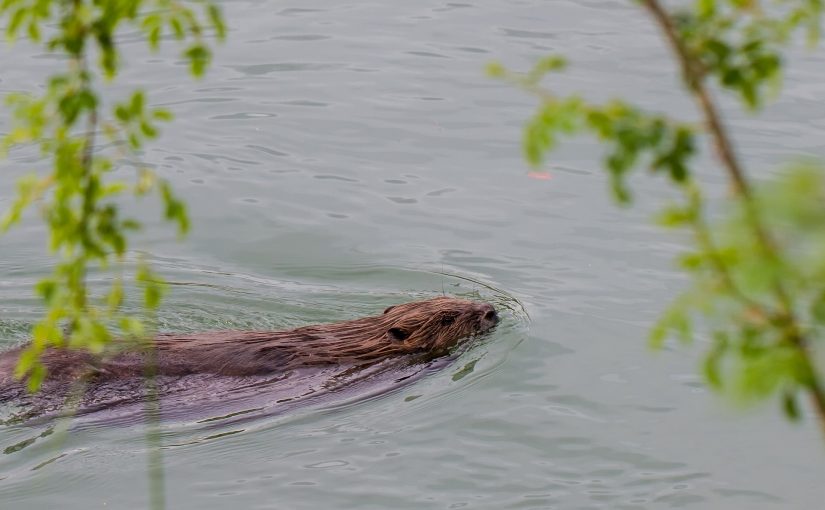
column 758, row 280
column 78, row 197
column 694, row 75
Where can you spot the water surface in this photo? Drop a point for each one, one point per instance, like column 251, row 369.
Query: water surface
column 344, row 156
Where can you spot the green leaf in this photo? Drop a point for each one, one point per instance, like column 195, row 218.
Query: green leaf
column 29, row 188
column 36, row 376
column 16, row 20
column 132, row 327
column 136, row 103
column 692, row 261
column 122, row 113
column 25, row 363
column 216, row 18
column 543, row 66
column 789, row 406
column 495, row 70
column 47, row 289
column 658, row 335
column 705, row 8
column 749, row 95
column 114, row 300
column 131, row 225
column 818, row 308
column 162, row 114
column 175, row 210
column 152, row 25
column 148, row 130
column 198, row 56
column 620, row 192
column 711, row 369
column 152, row 296
column 87, row 99
column 34, row 31
column 177, row 27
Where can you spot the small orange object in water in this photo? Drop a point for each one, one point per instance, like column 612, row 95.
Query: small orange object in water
column 542, row 176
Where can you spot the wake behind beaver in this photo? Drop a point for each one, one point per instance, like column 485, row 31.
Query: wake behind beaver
column 276, row 367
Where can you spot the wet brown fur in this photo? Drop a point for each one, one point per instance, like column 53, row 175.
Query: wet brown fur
column 429, row 327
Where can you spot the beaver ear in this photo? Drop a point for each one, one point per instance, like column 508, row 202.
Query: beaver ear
column 397, row 334
column 389, row 308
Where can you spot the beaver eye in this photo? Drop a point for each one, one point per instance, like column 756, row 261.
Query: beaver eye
column 446, row 321
column 397, row 334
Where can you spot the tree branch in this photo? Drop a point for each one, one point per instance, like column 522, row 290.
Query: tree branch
column 694, row 76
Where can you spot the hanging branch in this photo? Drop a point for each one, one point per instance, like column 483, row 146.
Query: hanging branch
column 694, row 76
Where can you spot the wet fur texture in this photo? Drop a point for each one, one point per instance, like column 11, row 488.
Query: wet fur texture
column 431, row 328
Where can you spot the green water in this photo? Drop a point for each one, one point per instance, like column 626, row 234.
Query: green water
column 344, row 156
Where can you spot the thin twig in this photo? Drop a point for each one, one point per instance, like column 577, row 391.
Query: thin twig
column 157, row 490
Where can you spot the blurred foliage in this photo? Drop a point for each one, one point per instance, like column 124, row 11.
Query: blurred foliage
column 758, row 268
column 74, row 188
column 754, row 350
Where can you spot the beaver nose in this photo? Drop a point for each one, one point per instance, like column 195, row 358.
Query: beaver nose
column 489, row 313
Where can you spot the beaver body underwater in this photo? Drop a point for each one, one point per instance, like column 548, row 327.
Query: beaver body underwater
column 424, row 329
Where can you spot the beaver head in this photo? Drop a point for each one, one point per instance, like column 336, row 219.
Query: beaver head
column 435, row 325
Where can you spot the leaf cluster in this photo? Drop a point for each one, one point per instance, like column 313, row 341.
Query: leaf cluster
column 740, row 44
column 632, row 136
column 96, row 22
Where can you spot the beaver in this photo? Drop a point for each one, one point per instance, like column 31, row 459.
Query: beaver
column 430, row 328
